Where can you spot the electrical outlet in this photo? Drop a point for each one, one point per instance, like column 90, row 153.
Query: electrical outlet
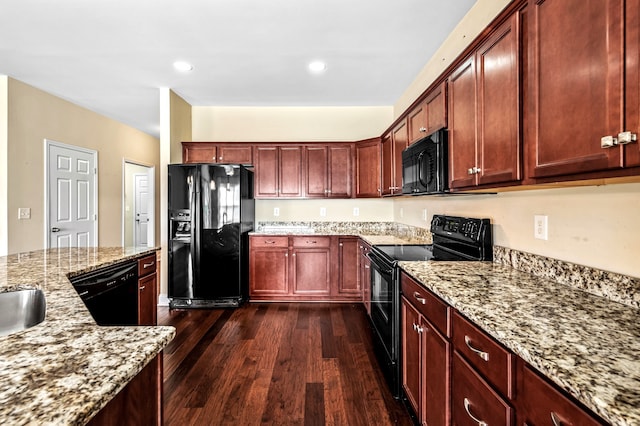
column 24, row 213
column 276, row 211
column 323, row 211
column 540, row 227
column 401, row 212
column 424, row 214
column 356, row 211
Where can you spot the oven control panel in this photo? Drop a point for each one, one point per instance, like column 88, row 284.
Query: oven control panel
column 458, row 227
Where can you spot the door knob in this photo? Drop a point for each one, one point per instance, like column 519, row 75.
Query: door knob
column 54, row 229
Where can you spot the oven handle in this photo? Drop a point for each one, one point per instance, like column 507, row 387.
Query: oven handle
column 376, row 265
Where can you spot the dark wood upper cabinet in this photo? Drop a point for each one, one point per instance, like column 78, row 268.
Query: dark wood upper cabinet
column 367, row 183
column 575, row 85
column 429, row 115
column 462, row 125
column 266, row 171
column 498, row 71
column 235, row 153
column 328, row 171
column 198, row 152
column 213, row 152
column 484, row 112
column 632, row 84
column 290, row 171
column 392, row 145
column 386, row 162
column 316, row 171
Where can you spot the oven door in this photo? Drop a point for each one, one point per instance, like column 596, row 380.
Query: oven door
column 382, row 305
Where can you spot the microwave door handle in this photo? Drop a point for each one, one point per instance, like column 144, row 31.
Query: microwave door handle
column 420, row 179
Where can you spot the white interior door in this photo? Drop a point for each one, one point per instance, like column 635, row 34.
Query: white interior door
column 141, row 210
column 72, row 198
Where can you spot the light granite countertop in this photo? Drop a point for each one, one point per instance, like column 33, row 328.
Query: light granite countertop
column 587, row 344
column 64, row 370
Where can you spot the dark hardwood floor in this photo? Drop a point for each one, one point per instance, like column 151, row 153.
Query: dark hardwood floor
column 275, row 364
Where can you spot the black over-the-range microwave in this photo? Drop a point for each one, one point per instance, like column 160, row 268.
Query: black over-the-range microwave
column 425, row 165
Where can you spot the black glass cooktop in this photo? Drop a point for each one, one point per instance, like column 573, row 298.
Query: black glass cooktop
column 408, row 252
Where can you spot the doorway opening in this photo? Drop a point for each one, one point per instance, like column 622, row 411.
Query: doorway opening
column 138, row 205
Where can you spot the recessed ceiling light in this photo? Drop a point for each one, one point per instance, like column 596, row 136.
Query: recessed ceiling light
column 182, row 66
column 317, row 67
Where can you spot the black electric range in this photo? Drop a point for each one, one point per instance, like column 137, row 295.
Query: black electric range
column 454, row 239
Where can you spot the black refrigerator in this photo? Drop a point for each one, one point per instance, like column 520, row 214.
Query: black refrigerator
column 211, row 212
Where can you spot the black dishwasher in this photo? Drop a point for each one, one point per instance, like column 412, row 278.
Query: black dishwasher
column 111, row 293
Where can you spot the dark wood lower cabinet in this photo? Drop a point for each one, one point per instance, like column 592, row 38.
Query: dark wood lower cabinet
column 425, row 368
column 473, row 400
column 453, row 372
column 139, row 403
column 541, row 404
column 304, row 268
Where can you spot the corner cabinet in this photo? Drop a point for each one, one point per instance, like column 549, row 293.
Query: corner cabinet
column 367, row 183
column 484, row 118
column 303, row 268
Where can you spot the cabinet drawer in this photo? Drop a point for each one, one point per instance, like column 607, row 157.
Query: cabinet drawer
column 429, row 305
column 540, row 403
column 147, row 265
column 491, row 360
column 473, row 400
column 269, row 241
column 311, row 241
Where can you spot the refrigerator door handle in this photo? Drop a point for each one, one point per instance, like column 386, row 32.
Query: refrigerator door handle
column 193, row 258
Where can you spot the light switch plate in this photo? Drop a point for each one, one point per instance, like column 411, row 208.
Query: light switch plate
column 323, row 211
column 276, row 211
column 540, row 227
column 356, row 211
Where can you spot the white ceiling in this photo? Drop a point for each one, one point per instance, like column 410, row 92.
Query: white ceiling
column 111, row 56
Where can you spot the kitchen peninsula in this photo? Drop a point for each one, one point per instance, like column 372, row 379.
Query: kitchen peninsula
column 66, row 369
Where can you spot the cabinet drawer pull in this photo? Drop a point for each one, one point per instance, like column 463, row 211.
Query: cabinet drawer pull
column 555, row 419
column 148, row 265
column 467, row 405
column 420, row 299
column 312, row 242
column 482, row 354
column 269, row 241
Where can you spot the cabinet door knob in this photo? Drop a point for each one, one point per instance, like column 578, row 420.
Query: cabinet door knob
column 608, row 141
column 423, row 129
column 142, row 287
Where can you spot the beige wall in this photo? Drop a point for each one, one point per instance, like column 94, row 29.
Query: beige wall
column 4, row 103
column 370, row 210
column 175, row 127
column 35, row 115
column 594, row 226
column 294, row 124
column 297, row 124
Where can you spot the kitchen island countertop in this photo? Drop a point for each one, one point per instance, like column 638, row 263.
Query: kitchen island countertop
column 586, row 344
column 64, row 370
